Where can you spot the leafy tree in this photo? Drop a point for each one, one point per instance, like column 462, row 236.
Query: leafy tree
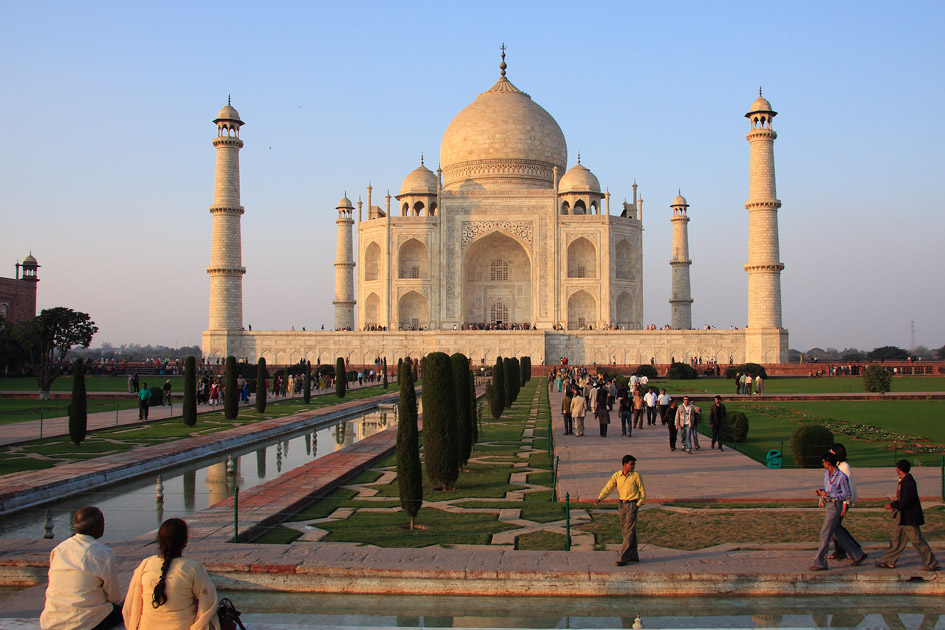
column 646, row 370
column 746, row 368
column 439, row 421
column 189, row 410
column 341, row 384
column 12, row 354
column 409, row 472
column 681, row 371
column 384, row 367
column 887, row 353
column 876, row 378
column 79, row 405
column 941, row 353
column 307, row 383
column 852, row 354
column 47, row 339
column 231, row 395
column 261, row 375
column 464, row 408
column 497, row 395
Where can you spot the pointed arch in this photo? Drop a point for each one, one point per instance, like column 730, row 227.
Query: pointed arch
column 582, row 259
column 413, row 260
column 623, row 265
column 582, row 311
column 372, row 309
column 413, row 312
column 372, row 261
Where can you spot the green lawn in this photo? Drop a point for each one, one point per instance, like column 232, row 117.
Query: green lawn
column 92, row 383
column 800, row 385
column 20, row 410
column 876, row 433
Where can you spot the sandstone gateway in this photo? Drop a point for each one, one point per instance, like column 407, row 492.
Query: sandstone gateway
column 502, row 235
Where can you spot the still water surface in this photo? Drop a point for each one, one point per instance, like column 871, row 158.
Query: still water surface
column 131, row 508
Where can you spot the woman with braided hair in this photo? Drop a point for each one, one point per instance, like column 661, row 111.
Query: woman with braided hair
column 169, row 592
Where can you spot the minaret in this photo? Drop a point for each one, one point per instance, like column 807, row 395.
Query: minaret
column 681, row 302
column 344, row 268
column 764, row 265
column 226, row 269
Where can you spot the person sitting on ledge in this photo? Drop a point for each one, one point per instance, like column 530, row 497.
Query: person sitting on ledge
column 83, row 591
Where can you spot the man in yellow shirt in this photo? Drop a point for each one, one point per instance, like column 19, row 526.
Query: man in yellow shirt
column 629, row 485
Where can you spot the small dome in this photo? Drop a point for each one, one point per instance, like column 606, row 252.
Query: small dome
column 228, row 112
column 420, row 181
column 578, row 179
column 761, row 104
column 345, row 203
column 29, row 260
column 680, row 201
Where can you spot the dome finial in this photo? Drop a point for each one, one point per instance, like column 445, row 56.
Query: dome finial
column 228, row 100
column 579, row 157
column 503, row 66
column 759, row 90
column 421, row 159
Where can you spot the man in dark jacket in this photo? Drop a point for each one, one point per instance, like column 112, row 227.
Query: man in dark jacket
column 910, row 520
column 716, row 420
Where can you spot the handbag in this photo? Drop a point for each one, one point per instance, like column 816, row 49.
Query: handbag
column 228, row 615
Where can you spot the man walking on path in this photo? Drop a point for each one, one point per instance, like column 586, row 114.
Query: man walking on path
column 835, row 495
column 566, row 413
column 629, row 485
column 650, row 400
column 686, row 423
column 716, row 421
column 83, row 591
column 909, row 524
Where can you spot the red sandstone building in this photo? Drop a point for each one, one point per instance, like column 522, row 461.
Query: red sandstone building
column 18, row 295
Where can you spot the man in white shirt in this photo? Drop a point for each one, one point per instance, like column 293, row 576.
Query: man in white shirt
column 662, row 404
column 650, row 400
column 83, row 591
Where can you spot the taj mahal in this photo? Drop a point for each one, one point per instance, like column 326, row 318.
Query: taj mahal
column 503, row 250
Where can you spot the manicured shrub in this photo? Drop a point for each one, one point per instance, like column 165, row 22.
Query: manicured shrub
column 516, row 378
column 809, row 442
column 189, row 410
column 464, row 407
column 621, row 381
column 735, row 427
column 439, row 421
column 746, row 368
column 262, row 374
column 497, row 395
column 78, row 405
column 307, row 384
column 340, row 384
column 231, row 394
column 409, row 473
column 474, row 416
column 384, row 377
column 681, row 371
column 876, row 378
column 157, row 397
column 646, row 370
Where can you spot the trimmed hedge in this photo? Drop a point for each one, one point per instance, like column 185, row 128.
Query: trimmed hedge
column 341, row 385
column 809, row 443
column 646, row 370
column 735, row 427
column 876, row 378
column 746, row 368
column 409, row 472
column 189, row 411
column 682, row 372
column 496, row 391
column 439, row 421
column 231, row 394
column 78, row 405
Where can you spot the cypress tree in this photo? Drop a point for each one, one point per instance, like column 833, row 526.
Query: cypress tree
column 384, row 367
column 507, row 376
column 261, row 375
column 516, row 378
column 409, row 473
column 189, row 411
column 231, row 397
column 523, row 362
column 497, row 397
column 307, row 383
column 463, row 408
column 78, row 406
column 474, row 425
column 341, row 378
column 439, row 421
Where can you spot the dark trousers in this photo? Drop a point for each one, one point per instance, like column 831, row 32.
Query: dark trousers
column 603, row 430
column 568, row 424
column 626, row 425
column 628, row 527
column 142, row 409
column 113, row 619
column 651, row 415
column 672, row 435
column 829, row 530
column 717, row 435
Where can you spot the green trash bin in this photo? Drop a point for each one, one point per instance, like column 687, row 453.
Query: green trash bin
column 773, row 458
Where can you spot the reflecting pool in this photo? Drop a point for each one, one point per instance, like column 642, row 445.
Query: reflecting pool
column 132, row 508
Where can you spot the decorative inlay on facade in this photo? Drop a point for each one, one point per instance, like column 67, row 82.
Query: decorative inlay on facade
column 403, row 238
column 593, row 237
column 589, row 288
column 514, row 169
column 549, row 268
column 522, row 229
column 423, row 290
column 451, row 268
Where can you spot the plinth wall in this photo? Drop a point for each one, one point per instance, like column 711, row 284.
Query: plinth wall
column 623, row 347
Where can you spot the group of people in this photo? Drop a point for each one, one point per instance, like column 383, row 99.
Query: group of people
column 745, row 384
column 167, row 591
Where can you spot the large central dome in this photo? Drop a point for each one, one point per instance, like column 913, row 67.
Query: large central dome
column 502, row 140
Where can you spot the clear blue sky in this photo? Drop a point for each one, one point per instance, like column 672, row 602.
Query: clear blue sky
column 106, row 162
